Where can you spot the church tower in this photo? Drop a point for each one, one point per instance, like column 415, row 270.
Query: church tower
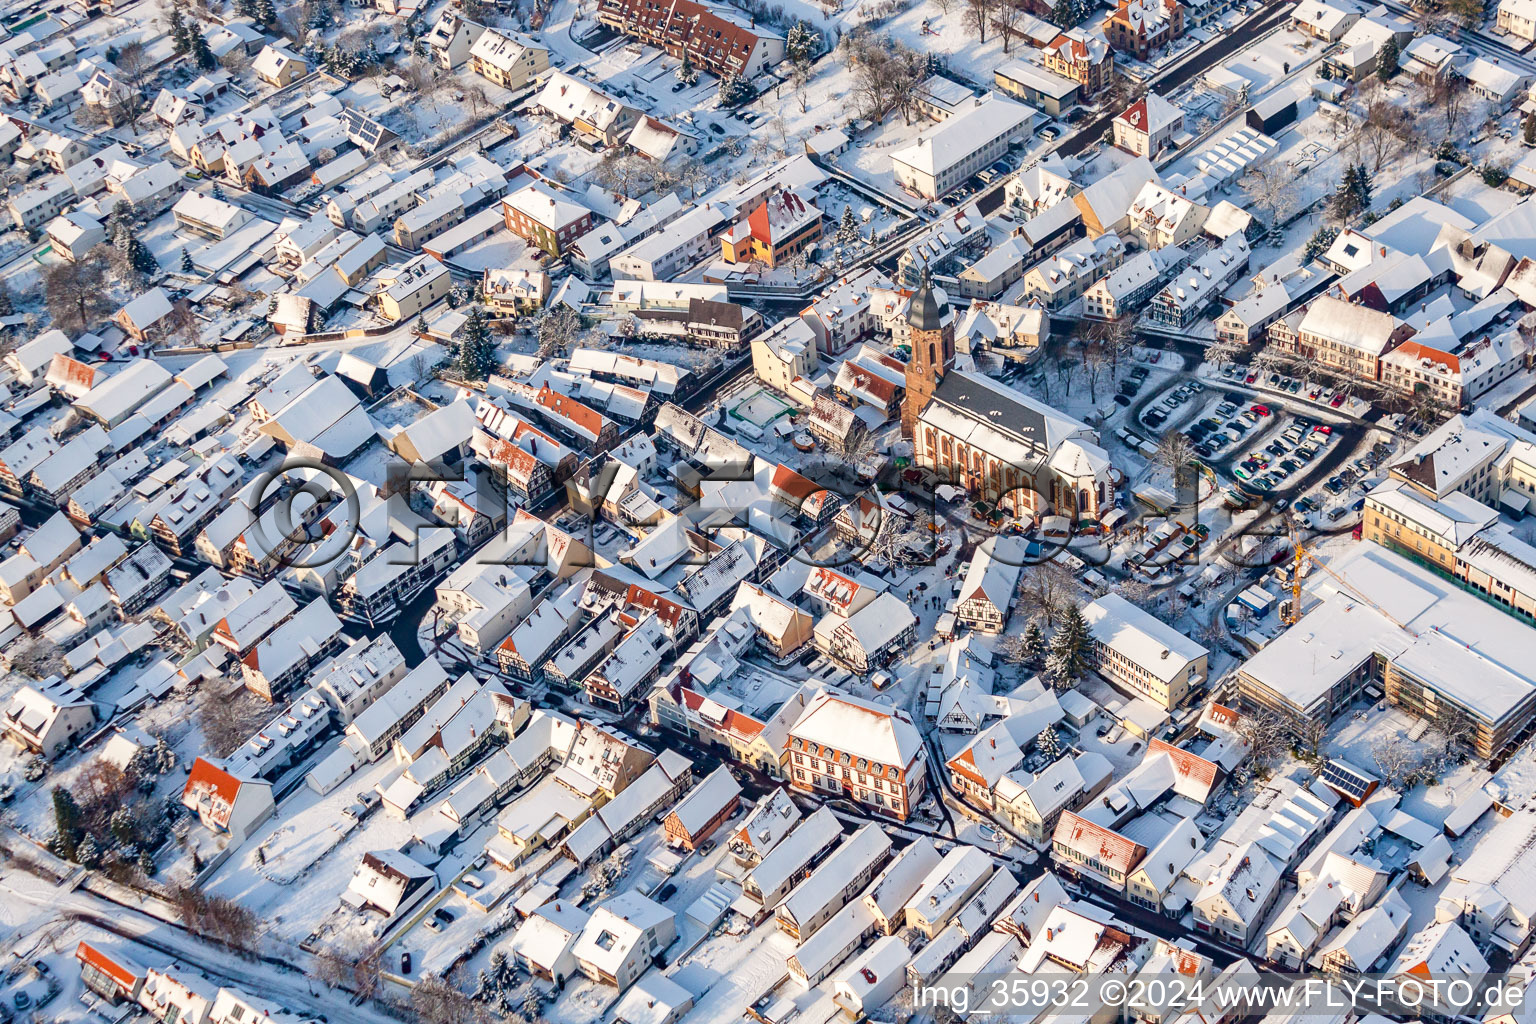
column 933, row 350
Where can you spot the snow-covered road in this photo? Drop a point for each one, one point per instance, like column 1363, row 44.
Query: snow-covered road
column 294, row 990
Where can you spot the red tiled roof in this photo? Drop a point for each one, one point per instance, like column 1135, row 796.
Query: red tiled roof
column 1414, row 350
column 567, row 407
column 210, row 778
column 1135, row 115
column 1191, row 766
column 743, row 725
column 793, row 484
column 123, row 975
column 1105, row 845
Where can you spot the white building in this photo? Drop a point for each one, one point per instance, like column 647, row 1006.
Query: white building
column 956, row 148
column 622, row 937
column 1141, row 653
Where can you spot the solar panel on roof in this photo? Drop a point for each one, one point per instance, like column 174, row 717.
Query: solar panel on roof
column 1348, row 779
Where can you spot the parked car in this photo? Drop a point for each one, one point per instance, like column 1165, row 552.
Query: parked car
column 665, row 893
column 405, row 961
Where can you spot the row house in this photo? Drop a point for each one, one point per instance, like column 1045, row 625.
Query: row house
column 713, row 38
column 837, row 880
column 1346, row 338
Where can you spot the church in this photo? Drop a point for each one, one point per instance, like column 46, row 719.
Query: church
column 996, row 442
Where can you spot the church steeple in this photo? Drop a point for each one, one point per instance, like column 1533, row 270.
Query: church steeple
column 933, row 349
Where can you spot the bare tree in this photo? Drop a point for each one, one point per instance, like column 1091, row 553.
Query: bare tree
column 1387, row 131
column 436, row 1001
column 1067, row 373
column 216, row 917
column 75, row 292
column 1449, row 93
column 39, row 659
column 1223, row 351
column 799, row 83
column 901, row 541
column 780, row 129
column 1265, row 733
column 979, row 12
column 1046, row 587
column 1174, row 453
column 227, row 719
column 1095, row 360
column 368, row 971
column 1272, row 187
column 559, row 328
column 135, row 68
column 857, row 446
column 885, row 74
column 1394, row 759
column 1007, row 21
column 1116, row 339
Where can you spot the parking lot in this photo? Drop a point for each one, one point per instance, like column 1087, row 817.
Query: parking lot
column 1258, row 448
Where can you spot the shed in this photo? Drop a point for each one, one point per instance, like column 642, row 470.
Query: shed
column 1273, row 112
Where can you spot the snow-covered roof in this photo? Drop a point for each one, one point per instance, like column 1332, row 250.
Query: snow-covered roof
column 954, row 139
column 860, row 728
column 1141, row 637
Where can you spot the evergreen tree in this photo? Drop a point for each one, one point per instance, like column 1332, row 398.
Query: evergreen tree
column 1345, row 204
column 801, row 43
column 1387, row 61
column 1070, row 13
column 1318, row 244
column 135, row 254
column 202, row 53
column 217, row 192
column 1530, row 130
column 734, row 91
column 533, row 1003
column 1363, row 187
column 421, row 325
column 476, row 350
column 686, row 72
column 187, row 267
column 1034, row 643
column 1068, row 660
column 181, row 36
column 164, row 757
column 266, row 12
column 847, row 228
column 1049, row 741
column 66, row 823
column 122, row 826
column 88, row 853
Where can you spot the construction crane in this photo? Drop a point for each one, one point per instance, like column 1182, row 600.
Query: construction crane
column 1293, row 613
